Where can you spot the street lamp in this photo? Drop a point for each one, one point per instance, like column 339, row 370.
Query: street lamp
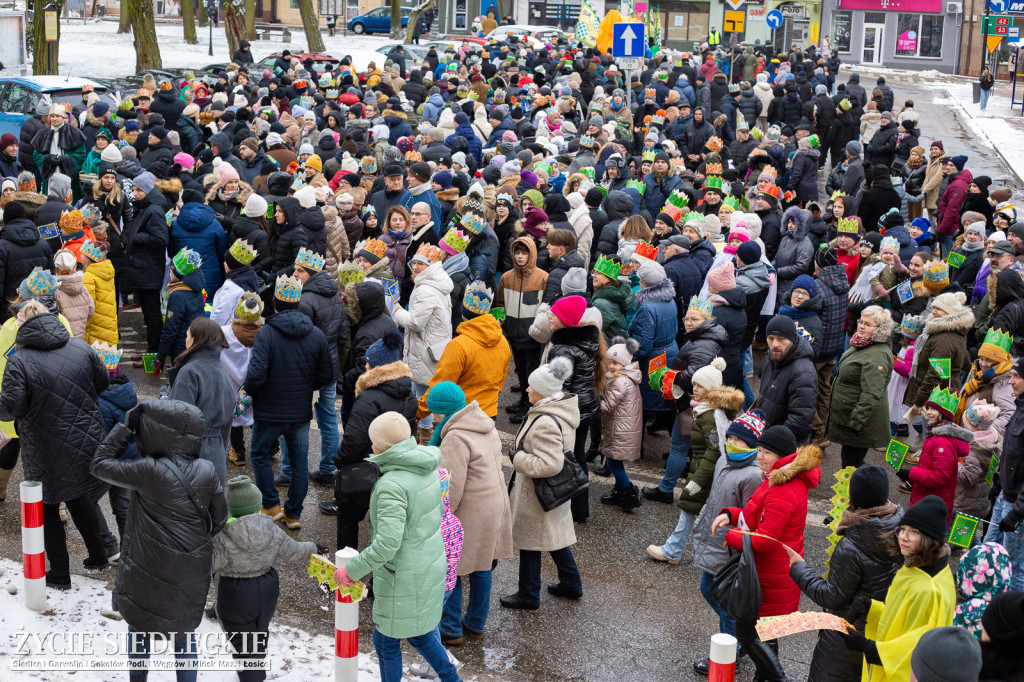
column 210, row 4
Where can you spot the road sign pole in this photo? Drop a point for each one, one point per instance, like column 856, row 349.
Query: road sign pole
column 984, row 40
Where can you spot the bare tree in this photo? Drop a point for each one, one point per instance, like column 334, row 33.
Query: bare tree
column 123, row 25
column 234, row 24
column 415, row 17
column 45, row 56
column 147, row 50
column 188, row 21
column 311, row 26
column 396, row 20
column 250, row 20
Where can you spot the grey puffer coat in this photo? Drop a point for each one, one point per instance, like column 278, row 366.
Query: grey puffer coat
column 796, row 253
column 622, row 415
column 163, row 575
column 733, row 484
column 202, row 381
column 251, row 545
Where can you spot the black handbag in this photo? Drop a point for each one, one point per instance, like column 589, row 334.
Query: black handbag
column 357, row 478
column 554, row 491
column 736, row 586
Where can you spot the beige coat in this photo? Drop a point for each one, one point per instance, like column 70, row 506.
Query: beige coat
column 471, row 452
column 338, row 248
column 582, row 224
column 74, row 302
column 622, row 415
column 870, row 122
column 427, row 323
column 539, row 453
column 292, row 130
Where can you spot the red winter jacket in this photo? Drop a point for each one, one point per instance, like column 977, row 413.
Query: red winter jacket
column 948, row 221
column 778, row 509
column 935, row 473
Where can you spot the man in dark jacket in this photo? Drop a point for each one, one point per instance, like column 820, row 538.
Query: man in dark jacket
column 855, row 91
column 500, row 122
column 789, row 382
column 617, row 206
column 168, row 104
column 243, row 55
column 22, row 249
column 881, row 150
column 290, row 360
column 683, row 272
column 252, row 159
column 159, row 149
column 1008, row 510
column 834, row 289
column 220, row 145
column 563, row 254
column 888, row 97
column 393, row 194
column 145, row 243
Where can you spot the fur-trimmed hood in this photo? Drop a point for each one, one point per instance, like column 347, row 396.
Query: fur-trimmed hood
column 660, row 292
column 802, row 218
column 951, row 430
column 451, row 194
column 806, row 462
column 375, row 376
column 400, row 115
column 959, row 322
column 725, row 398
column 169, row 186
column 244, row 192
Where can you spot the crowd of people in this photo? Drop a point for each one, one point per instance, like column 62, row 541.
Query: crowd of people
column 394, row 242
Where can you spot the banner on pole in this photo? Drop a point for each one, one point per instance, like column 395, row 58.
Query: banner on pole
column 587, row 25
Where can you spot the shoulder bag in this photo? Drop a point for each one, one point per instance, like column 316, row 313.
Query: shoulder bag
column 736, row 586
column 554, row 491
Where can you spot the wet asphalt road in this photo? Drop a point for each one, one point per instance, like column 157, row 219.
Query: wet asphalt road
column 638, row 620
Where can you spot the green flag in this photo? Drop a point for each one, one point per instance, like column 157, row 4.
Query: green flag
column 961, row 533
column 955, row 259
column 941, row 366
column 896, row 453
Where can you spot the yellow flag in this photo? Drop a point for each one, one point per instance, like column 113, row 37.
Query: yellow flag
column 587, row 25
column 604, row 32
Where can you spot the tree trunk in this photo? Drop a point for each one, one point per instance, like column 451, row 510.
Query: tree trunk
column 250, row 20
column 204, row 18
column 396, row 20
column 44, row 55
column 147, row 50
column 234, row 26
column 188, row 21
column 311, row 26
column 123, row 25
column 415, row 17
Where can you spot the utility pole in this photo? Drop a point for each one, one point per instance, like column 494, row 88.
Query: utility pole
column 984, row 40
column 210, row 4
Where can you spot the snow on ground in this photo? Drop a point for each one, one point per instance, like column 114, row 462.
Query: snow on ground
column 296, row 655
column 999, row 127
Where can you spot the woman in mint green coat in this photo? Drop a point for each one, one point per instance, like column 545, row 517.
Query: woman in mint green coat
column 406, row 553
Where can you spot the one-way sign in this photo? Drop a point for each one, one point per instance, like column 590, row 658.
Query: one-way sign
column 628, row 39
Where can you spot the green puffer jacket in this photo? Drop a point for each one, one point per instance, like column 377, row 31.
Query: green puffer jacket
column 860, row 404
column 708, row 441
column 614, row 302
column 406, row 552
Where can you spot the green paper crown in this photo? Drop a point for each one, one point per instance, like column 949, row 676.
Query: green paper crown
column 813, row 141
column 249, row 308
column 242, row 252
column 309, row 260
column 731, row 202
column 649, row 155
column 187, row 261
column 999, row 339
column 693, row 217
column 713, row 182
column 608, row 267
column 848, row 226
column 678, row 198
column 350, row 273
column 943, row 399
column 638, row 185
column 288, row 289
column 588, row 172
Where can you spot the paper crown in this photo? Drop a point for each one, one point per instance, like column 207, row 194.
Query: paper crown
column 413, row 157
column 645, row 250
column 608, row 267
column 586, row 142
column 674, row 212
column 638, row 185
column 504, row 198
column 896, row 180
column 350, row 273
column 701, row 305
column 649, row 155
column 243, row 252
column 455, row 241
column 288, row 289
column 757, row 134
column 93, row 251
column 586, row 186
column 368, row 165
column 836, row 194
column 473, row 223
column 588, row 172
column 332, row 93
column 431, row 253
column 41, row 282
column 309, row 260
column 712, row 168
column 91, row 214
column 249, row 308
column 773, row 191
column 936, row 273
column 944, row 400
column 714, row 143
column 912, row 326
column 848, row 226
column 658, row 121
column 789, row 195
column 845, row 104
column 187, row 261
column 813, row 141
column 694, row 217
column 997, row 341
column 770, row 170
column 890, row 242
column 325, row 80
column 372, row 246
column 109, row 355
column 678, row 198
column 713, row 182
column 72, row 221
column 731, row 204
column 478, row 298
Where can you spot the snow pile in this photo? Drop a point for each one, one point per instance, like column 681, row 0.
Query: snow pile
column 999, row 127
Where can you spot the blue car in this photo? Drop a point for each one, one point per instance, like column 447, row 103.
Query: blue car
column 19, row 97
column 377, row 21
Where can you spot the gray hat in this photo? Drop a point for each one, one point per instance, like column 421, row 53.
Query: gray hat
column 1002, row 247
column 392, row 154
column 499, row 112
column 596, row 121
column 144, row 181
column 618, row 92
column 887, row 115
column 306, row 148
column 651, row 274
column 574, row 281
column 525, row 158
column 853, row 147
column 820, row 90
column 948, row 654
column 59, row 185
column 678, row 240
column 548, row 379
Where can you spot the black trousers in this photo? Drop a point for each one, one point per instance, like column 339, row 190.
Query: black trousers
column 149, row 301
column 238, row 439
column 526, row 360
column 86, row 514
column 9, row 454
column 581, row 503
column 245, row 607
column 351, row 510
column 852, row 456
column 529, row 572
column 765, row 655
column 119, row 505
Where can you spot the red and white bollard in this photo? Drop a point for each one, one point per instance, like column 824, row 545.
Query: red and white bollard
column 346, row 627
column 722, row 661
column 33, row 549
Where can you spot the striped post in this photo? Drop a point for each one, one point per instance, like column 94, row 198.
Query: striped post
column 346, row 627
column 33, row 551
column 722, row 662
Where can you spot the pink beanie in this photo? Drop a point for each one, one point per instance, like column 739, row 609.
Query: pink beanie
column 227, row 173
column 509, row 136
column 722, row 278
column 185, row 160
column 740, row 232
column 569, row 310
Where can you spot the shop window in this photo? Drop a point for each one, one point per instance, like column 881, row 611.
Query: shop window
column 874, row 17
column 919, row 35
column 843, row 20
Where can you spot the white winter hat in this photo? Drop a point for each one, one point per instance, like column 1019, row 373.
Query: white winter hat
column 710, row 376
column 306, row 197
column 306, row 148
column 621, row 350
column 348, row 164
column 389, row 429
column 255, row 206
column 111, row 154
column 548, row 379
column 64, row 260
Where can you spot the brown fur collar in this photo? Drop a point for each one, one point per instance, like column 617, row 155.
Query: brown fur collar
column 244, row 191
column 351, row 300
column 725, row 398
column 960, row 322
column 376, row 376
column 396, row 113
column 170, row 186
column 807, row 457
column 884, row 333
column 32, row 198
column 450, row 194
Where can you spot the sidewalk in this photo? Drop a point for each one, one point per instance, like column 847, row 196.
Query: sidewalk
column 998, row 127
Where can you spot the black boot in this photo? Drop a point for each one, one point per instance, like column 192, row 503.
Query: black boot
column 520, row 406
column 603, row 470
column 615, row 497
column 769, row 669
column 630, row 499
column 657, row 495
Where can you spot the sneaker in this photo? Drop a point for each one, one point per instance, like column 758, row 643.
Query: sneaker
column 292, row 524
column 274, row 512
column 113, row 552
column 654, row 551
column 421, row 668
column 282, row 481
column 330, row 508
column 91, row 564
column 322, row 478
column 452, row 640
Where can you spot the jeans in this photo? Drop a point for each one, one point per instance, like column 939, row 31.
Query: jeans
column 86, row 515
column 673, row 547
column 327, row 421
column 184, row 650
column 475, row 619
column 421, row 390
column 678, row 452
column 296, row 435
column 389, row 655
column 529, row 572
column 1013, row 542
column 726, row 623
column 984, row 98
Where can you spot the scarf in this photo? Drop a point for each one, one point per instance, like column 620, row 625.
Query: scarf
column 852, row 516
column 794, row 313
column 398, row 236
column 227, row 196
column 978, row 379
column 435, row 440
column 735, row 454
column 971, row 247
column 858, row 341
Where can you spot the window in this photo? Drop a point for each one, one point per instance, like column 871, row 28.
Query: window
column 874, row 17
column 843, row 20
column 919, row 35
column 15, row 99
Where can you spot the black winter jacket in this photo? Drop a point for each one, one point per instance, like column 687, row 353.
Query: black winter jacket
column 291, row 238
column 553, row 291
column 248, row 229
column 22, row 249
column 145, row 244
column 170, row 106
column 701, row 346
column 882, row 148
column 731, row 314
column 1011, row 463
column 580, row 346
column 1009, row 309
column 321, row 303
column 789, row 390
column 158, row 153
column 618, row 206
column 387, row 388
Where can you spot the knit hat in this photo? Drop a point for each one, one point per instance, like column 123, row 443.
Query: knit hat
column 622, row 350
column 980, row 415
column 569, row 309
column 996, row 346
column 651, row 273
column 748, row 427
column 548, row 379
column 388, row 430
column 145, row 182
column 111, row 154
column 305, row 148
column 1004, row 618
column 807, row 283
column 722, row 278
column 242, row 496
column 306, row 197
column 951, row 303
column 946, row 654
column 385, row 350
column 749, row 252
column 869, row 487
column 446, row 398
column 574, row 281
column 227, row 173
column 778, row 439
column 929, row 517
column 710, row 376
column 936, row 276
column 255, row 206
column 783, row 326
column 959, row 161
column 826, row 256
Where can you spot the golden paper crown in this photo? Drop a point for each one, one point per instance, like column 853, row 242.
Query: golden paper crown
column 701, row 305
column 288, row 289
column 309, row 260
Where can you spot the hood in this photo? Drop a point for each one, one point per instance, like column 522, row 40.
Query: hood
column 983, row 572
column 757, row 273
column 585, row 337
column 169, row 427
column 364, row 301
column 436, row 100
column 802, row 218
column 763, row 87
column 1009, row 287
column 871, row 535
column 408, row 456
column 725, row 398
column 129, row 168
column 70, row 284
column 619, row 293
column 221, row 141
column 436, row 278
column 470, row 418
column 709, row 330
column 195, row 217
column 292, row 210
column 854, row 78
column 484, row 329
column 195, row 280
column 394, row 379
column 618, row 205
column 42, row 332
column 312, row 219
column 834, row 277
column 291, row 323
column 565, row 409
column 22, row 232
column 881, row 182
column 660, row 292
column 960, row 322
column 103, row 270
column 120, row 394
column 322, row 284
column 804, row 464
column 531, row 261
column 734, row 298
column 951, row 430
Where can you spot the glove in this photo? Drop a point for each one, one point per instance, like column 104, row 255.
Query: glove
column 1008, row 525
column 855, row 640
column 857, row 614
column 904, row 474
column 322, row 549
column 132, row 418
column 54, row 159
column 692, row 488
column 880, row 292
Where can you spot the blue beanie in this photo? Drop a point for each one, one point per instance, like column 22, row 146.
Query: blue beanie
column 446, row 398
column 807, row 283
column 443, row 178
column 386, row 350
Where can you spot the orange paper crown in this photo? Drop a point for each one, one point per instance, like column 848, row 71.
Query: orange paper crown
column 430, row 252
column 712, row 169
column 773, row 191
column 376, row 247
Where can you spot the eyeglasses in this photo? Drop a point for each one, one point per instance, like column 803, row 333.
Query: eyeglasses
column 419, row 213
column 908, row 533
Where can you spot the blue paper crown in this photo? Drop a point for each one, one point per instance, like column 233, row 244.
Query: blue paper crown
column 473, row 223
column 478, row 298
column 92, row 251
column 288, row 289
column 702, row 305
column 110, row 355
column 310, row 260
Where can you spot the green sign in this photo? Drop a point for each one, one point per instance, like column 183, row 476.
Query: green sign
column 993, row 466
column 961, row 533
column 956, row 260
column 896, row 453
column 996, row 25
column 941, row 367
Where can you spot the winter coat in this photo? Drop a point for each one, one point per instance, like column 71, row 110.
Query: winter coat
column 477, row 360
column 862, row 565
column 733, row 483
column 202, row 381
column 860, row 406
column 74, row 302
column 804, row 177
column 385, row 388
column 51, row 387
column 870, row 122
column 579, row 345
column 778, row 509
column 707, row 436
column 750, row 106
column 659, row 189
column 618, row 206
column 519, row 292
column 227, row 211
column 547, row 433
column 145, row 241
column 946, row 338
column 730, row 311
column 22, row 249
column 703, row 253
column 789, row 390
column 771, row 232
column 972, row 490
column 936, row 471
column 755, row 281
column 406, row 552
column 881, row 148
column 157, row 153
column 557, row 270
column 165, row 541
column 368, row 320
column 471, row 452
column 185, row 303
column 807, row 319
column 170, row 106
column 874, row 203
column 795, row 255
column 1007, row 299
column 290, row 239
column 72, row 153
column 948, row 220
column 98, row 280
column 614, row 302
column 427, row 322
column 248, row 229
column 290, row 360
column 197, row 228
column 320, row 301
column 700, row 347
column 686, row 277
column 654, row 327
column 252, row 545
column 236, row 283
column 622, row 415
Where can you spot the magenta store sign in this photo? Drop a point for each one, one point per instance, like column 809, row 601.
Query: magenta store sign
column 923, row 6
column 907, row 41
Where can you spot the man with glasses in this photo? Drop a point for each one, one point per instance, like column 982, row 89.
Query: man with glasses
column 420, row 190
column 394, row 192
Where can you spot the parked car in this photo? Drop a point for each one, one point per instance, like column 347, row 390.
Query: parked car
column 527, row 33
column 361, row 58
column 377, row 21
column 416, row 53
column 321, row 62
column 455, row 43
column 19, row 96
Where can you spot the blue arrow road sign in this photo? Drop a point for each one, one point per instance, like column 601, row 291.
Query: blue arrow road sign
column 628, row 39
column 998, row 6
column 773, row 19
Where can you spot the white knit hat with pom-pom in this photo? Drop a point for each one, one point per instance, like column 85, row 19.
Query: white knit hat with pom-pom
column 621, row 350
column 548, row 379
column 710, row 376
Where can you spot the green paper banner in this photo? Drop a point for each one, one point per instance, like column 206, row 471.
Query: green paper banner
column 896, row 453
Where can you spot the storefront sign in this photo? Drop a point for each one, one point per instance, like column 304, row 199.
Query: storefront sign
column 907, row 41
column 756, row 11
column 791, row 11
column 923, row 6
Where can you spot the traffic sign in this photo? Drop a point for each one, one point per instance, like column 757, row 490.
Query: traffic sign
column 774, row 19
column 733, row 21
column 1006, row 6
column 996, row 25
column 1014, row 33
column 735, row 4
column 630, row 63
column 628, row 39
column 999, row 6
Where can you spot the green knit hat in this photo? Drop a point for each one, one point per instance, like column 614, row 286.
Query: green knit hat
column 243, row 497
column 535, row 197
column 446, row 398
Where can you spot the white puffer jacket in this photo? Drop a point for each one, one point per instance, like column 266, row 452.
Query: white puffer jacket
column 427, row 322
